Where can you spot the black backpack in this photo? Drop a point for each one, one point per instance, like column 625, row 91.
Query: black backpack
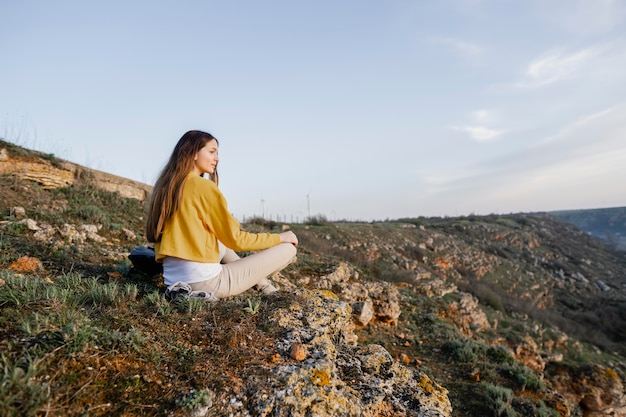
column 144, row 260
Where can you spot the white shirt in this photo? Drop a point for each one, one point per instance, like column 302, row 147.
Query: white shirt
column 177, row 269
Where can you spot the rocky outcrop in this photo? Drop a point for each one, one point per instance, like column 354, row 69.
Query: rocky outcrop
column 467, row 315
column 329, row 377
column 599, row 391
column 55, row 173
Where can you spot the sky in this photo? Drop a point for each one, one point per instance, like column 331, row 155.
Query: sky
column 351, row 110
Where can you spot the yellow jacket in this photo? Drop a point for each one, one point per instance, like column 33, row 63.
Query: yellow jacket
column 203, row 219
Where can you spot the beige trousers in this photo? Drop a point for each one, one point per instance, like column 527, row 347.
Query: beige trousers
column 240, row 274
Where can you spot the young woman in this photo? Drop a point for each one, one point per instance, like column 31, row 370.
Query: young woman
column 195, row 235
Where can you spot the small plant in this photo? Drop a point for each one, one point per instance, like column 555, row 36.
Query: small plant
column 196, row 399
column 21, row 392
column 157, row 299
column 253, row 306
column 134, row 339
column 191, row 305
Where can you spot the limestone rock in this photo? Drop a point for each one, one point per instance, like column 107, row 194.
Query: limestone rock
column 336, row 378
column 527, row 352
column 467, row 314
column 42, row 172
column 354, row 292
column 363, row 312
column 18, row 212
column 436, row 287
column 599, row 391
column 339, row 276
column 383, row 297
column 62, row 174
column 386, row 300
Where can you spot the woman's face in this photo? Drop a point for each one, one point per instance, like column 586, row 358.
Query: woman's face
column 207, row 158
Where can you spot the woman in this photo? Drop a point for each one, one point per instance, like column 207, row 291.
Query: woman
column 195, row 235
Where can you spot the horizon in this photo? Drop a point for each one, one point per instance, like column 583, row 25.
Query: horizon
column 351, row 110
column 322, row 217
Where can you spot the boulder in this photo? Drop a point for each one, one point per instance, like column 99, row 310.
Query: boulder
column 331, row 377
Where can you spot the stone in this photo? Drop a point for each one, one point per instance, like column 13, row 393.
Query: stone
column 599, row 390
column 363, row 312
column 336, row 378
column 18, row 212
column 386, row 300
column 298, row 352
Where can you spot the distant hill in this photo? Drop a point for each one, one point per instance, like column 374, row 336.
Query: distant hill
column 607, row 224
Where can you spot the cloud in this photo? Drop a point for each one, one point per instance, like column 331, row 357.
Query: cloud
column 590, row 148
column 482, row 116
column 555, row 66
column 574, row 130
column 480, row 133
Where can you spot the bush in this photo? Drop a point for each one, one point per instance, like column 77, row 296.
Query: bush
column 466, row 351
column 319, row 220
column 499, row 354
column 498, row 400
column 523, row 375
column 489, row 297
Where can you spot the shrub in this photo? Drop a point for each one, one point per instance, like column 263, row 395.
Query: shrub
column 523, row 375
column 499, row 354
column 488, row 297
column 498, row 400
column 466, row 350
column 318, row 220
column 543, row 410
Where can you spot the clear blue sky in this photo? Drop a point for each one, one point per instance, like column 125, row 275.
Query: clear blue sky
column 374, row 109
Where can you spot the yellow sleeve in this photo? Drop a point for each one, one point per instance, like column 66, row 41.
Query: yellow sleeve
column 224, row 226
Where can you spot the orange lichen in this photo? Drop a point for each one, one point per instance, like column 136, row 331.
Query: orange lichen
column 26, row 264
column 611, row 374
column 328, row 294
column 320, row 377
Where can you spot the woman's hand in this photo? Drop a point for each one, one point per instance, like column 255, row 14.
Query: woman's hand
column 289, row 237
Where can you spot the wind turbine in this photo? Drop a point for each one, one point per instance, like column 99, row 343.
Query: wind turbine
column 308, row 202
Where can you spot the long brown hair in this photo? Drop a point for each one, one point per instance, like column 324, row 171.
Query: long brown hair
column 167, row 191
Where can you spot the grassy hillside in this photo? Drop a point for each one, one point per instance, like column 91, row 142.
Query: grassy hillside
column 518, row 315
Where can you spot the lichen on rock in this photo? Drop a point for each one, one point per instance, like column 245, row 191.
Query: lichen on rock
column 336, row 378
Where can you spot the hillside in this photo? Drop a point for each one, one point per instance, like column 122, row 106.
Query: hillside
column 607, row 224
column 517, row 315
